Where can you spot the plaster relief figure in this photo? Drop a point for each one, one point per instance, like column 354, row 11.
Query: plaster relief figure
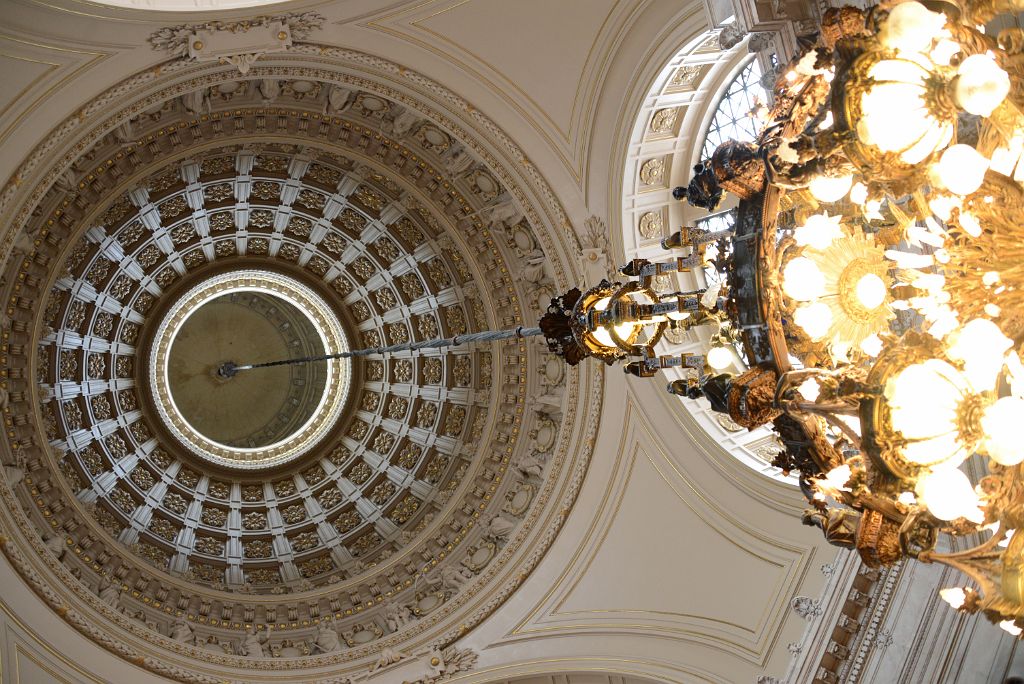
column 327, row 640
column 252, row 645
column 339, row 98
column 182, row 633
column 110, row 593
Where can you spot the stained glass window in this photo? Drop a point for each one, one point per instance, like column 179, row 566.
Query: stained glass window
column 733, row 118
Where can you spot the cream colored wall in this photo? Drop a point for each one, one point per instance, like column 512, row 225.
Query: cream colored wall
column 676, row 563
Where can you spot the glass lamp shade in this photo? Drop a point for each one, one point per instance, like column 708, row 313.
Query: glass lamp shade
column 948, row 495
column 1002, row 422
column 870, row 291
column 911, row 27
column 829, row 189
column 924, row 402
column 980, row 345
column 719, row 358
column 815, row 319
column 961, row 169
column 894, row 112
column 981, row 85
column 819, row 231
column 802, row 280
column 603, row 336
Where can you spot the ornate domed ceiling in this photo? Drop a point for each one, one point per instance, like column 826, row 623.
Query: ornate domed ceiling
column 334, row 510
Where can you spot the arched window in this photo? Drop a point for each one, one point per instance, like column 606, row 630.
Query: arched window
column 733, row 118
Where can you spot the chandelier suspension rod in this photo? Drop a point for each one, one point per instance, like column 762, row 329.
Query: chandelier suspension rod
column 229, row 369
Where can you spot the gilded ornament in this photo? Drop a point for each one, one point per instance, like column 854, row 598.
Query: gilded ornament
column 213, row 516
column 651, row 225
column 329, row 498
column 254, row 520
column 294, row 514
column 652, row 171
column 432, row 371
column 663, row 120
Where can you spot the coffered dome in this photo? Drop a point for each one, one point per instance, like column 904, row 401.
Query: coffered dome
column 249, row 220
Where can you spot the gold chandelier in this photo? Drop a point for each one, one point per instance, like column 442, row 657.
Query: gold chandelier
column 876, row 275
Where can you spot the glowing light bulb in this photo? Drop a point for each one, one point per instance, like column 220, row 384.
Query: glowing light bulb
column 961, row 169
column 948, row 494
column 911, row 27
column 981, row 85
column 719, row 358
column 1001, row 422
column 907, row 498
column 871, row 345
column 802, row 280
column 943, row 52
column 809, row 389
column 954, row 596
column 828, row 189
column 815, row 319
column 980, row 345
column 871, row 291
column 859, row 193
column 1009, row 627
column 819, row 231
column 836, row 479
column 969, row 222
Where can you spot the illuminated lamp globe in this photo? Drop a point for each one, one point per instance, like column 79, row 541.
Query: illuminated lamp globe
column 870, row 291
column 948, row 494
column 719, row 358
column 896, row 110
column 829, row 189
column 1001, row 423
column 819, row 231
column 815, row 319
column 981, row 346
column 961, row 169
column 603, row 336
column 954, row 596
column 802, row 280
column 981, row 85
column 924, row 401
column 911, row 27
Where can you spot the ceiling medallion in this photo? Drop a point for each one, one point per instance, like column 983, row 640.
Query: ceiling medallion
column 329, row 404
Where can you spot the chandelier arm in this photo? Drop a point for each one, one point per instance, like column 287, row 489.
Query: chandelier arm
column 981, row 550
column 229, row 369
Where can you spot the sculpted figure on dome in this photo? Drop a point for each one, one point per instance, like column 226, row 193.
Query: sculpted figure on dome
column 456, row 160
column 327, row 640
column 252, row 645
column 55, row 543
column 197, row 101
column 530, row 466
column 269, row 88
column 182, row 633
column 454, row 577
column 502, row 210
column 498, row 529
column 110, row 593
column 532, row 270
column 403, row 123
column 397, row 616
column 338, row 99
